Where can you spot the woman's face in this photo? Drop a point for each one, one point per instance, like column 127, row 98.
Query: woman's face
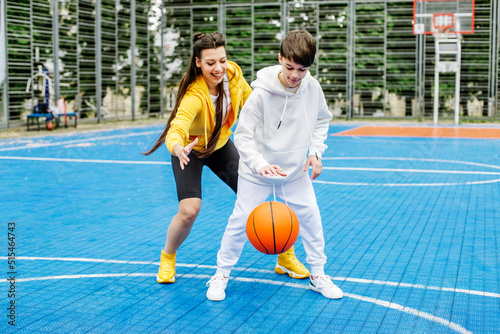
column 213, row 65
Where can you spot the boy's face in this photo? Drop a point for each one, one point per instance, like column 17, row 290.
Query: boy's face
column 292, row 73
column 213, row 65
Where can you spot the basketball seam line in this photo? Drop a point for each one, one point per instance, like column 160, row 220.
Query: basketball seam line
column 272, row 221
column 257, row 235
column 291, row 230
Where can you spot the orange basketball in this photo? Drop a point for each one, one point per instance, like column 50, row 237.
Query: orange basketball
column 272, row 227
column 50, row 126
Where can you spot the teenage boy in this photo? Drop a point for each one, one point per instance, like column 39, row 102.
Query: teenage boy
column 280, row 134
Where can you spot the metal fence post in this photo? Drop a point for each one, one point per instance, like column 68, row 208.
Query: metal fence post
column 132, row 48
column 221, row 22
column 284, row 19
column 55, row 41
column 3, row 50
column 162, row 62
column 494, row 60
column 98, row 60
column 350, row 58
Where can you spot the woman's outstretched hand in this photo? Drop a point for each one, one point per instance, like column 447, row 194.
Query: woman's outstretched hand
column 183, row 152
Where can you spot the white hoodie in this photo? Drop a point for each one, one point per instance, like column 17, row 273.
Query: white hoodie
column 277, row 127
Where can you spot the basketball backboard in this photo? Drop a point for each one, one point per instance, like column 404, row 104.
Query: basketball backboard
column 443, row 16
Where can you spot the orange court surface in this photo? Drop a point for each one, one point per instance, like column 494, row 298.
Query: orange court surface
column 423, row 131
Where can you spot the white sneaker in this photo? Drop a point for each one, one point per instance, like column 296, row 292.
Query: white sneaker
column 324, row 285
column 217, row 287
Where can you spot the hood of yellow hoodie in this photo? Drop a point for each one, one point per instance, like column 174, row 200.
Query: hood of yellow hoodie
column 200, row 89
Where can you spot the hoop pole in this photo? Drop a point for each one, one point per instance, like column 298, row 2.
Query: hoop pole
column 457, row 80
column 436, row 83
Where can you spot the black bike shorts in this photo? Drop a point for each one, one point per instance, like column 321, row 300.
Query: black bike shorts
column 223, row 162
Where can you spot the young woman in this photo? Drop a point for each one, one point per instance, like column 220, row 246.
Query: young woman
column 197, row 134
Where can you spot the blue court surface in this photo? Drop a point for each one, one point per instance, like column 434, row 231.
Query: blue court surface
column 412, row 230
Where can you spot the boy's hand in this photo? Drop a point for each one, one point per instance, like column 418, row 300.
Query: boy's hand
column 317, row 166
column 272, row 170
column 183, row 152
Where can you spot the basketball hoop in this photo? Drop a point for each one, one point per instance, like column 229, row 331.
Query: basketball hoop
column 443, row 17
column 443, row 22
column 446, row 20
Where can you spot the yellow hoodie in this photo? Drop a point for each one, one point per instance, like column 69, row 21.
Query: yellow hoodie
column 195, row 115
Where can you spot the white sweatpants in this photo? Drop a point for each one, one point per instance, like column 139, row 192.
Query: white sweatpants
column 300, row 196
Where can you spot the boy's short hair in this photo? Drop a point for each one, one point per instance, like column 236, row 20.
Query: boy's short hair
column 299, row 46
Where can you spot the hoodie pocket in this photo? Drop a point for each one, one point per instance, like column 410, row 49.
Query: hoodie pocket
column 290, row 160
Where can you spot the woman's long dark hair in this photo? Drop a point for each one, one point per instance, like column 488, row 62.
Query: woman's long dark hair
column 201, row 42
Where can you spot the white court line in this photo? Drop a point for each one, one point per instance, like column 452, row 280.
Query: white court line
column 413, row 171
column 347, row 279
column 412, row 311
column 77, row 141
column 398, row 170
column 417, row 286
column 412, row 159
column 454, row 326
column 325, row 168
column 128, row 162
column 79, row 259
column 438, row 171
column 406, row 184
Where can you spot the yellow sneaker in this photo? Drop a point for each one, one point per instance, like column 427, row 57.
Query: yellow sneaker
column 166, row 273
column 288, row 264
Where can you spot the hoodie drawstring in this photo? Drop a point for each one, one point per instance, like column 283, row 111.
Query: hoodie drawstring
column 205, row 128
column 283, row 113
column 282, row 190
